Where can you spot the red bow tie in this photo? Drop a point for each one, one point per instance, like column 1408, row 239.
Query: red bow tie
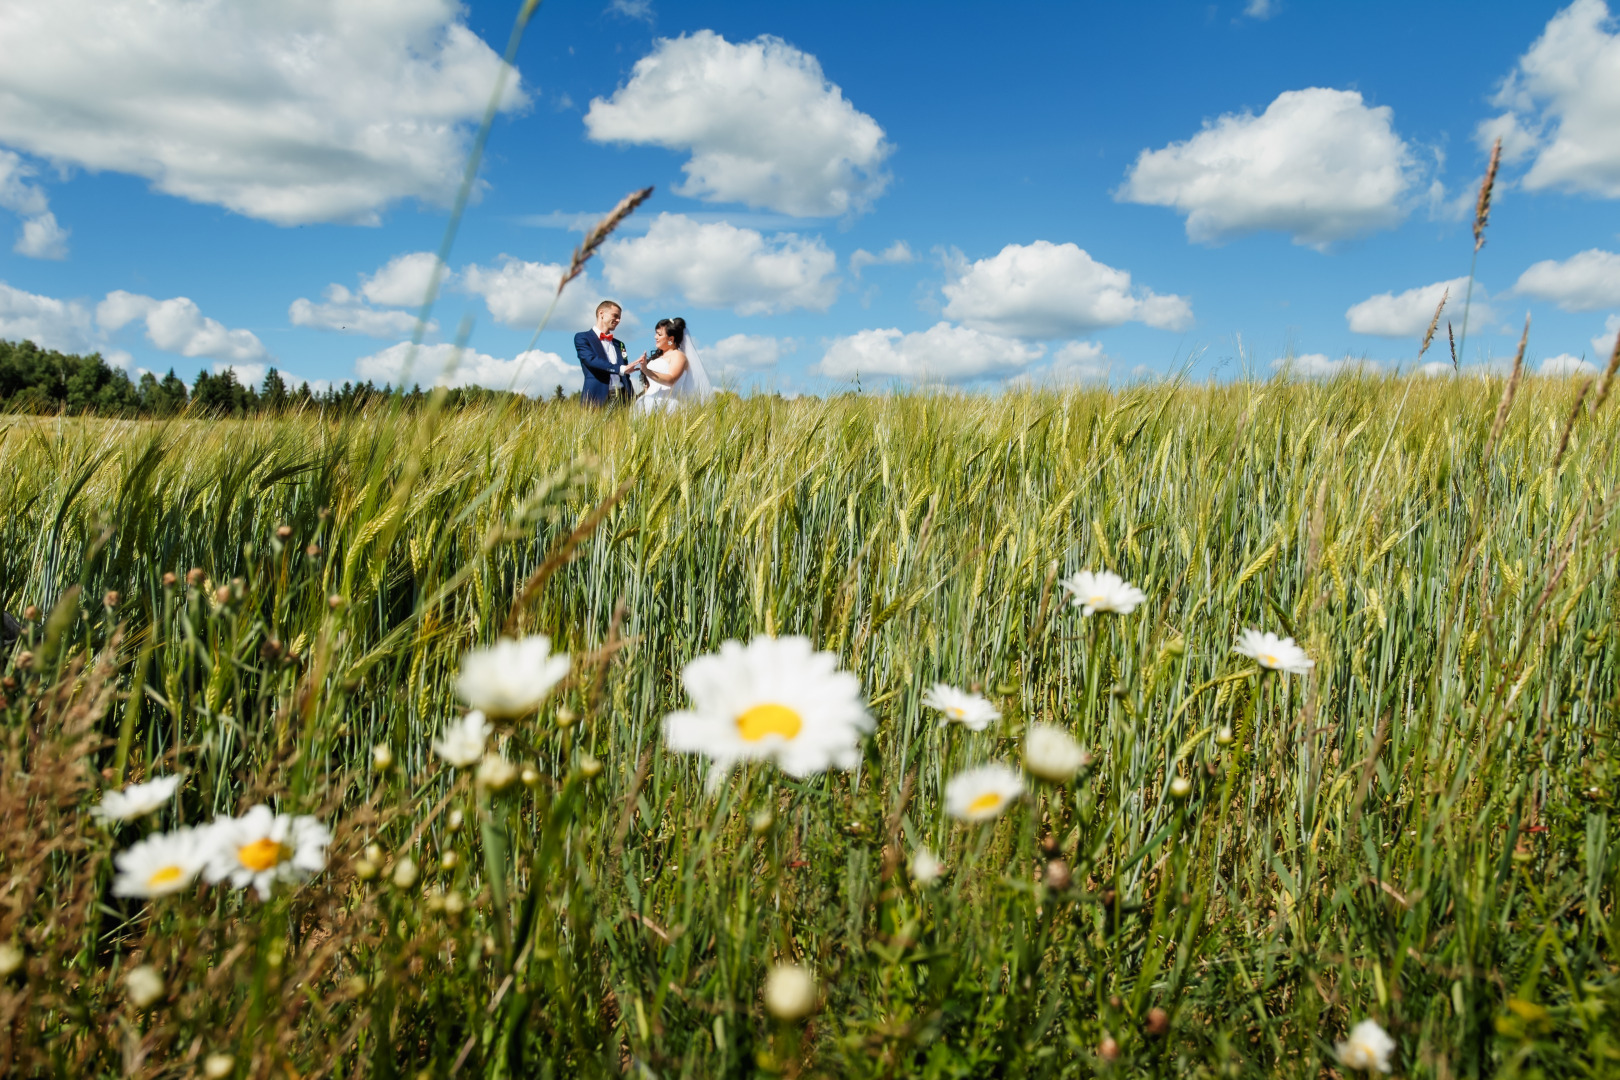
column 605, row 337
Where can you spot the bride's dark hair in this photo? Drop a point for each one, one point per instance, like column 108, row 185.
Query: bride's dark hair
column 676, row 328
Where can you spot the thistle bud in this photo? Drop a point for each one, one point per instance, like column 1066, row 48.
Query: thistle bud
column 405, row 873
column 195, row 576
column 790, row 992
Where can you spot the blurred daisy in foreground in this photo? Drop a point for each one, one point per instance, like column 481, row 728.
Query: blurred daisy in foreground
column 982, row 793
column 1052, row 754
column 510, row 678
column 163, row 863
column 1277, row 654
column 970, row 710
column 136, row 800
column 925, row 868
column 461, row 743
column 1368, row 1047
column 1102, row 591
column 262, row 847
column 774, row 699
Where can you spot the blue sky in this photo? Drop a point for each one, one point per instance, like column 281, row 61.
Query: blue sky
column 891, row 192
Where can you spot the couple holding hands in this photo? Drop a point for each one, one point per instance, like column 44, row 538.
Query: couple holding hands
column 671, row 373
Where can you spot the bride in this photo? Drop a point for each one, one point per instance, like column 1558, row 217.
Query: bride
column 675, row 375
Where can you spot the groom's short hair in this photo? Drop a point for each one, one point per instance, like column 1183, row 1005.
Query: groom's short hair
column 607, row 304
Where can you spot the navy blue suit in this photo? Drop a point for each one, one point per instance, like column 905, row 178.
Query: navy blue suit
column 594, row 361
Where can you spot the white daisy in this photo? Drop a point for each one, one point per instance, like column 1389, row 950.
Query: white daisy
column 925, row 868
column 510, row 678
column 982, row 793
column 1103, row 590
column 163, row 863
column 262, row 847
column 774, row 699
column 1052, row 754
column 462, row 741
column 1368, row 1047
column 1270, row 651
column 970, row 710
column 137, row 800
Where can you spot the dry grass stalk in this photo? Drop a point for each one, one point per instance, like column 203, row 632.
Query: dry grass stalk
column 1607, row 381
column 1452, row 337
column 1434, row 323
column 1569, row 425
column 1508, row 391
column 1482, row 211
column 599, row 233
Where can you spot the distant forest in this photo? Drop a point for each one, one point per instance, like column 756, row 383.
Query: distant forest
column 35, row 380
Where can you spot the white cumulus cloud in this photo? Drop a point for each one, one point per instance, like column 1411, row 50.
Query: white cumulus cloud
column 942, row 353
column 1562, row 104
column 895, row 254
column 403, row 281
column 536, row 373
column 348, row 317
column 743, row 354
column 1318, row 164
column 518, row 292
column 40, row 237
column 716, row 265
column 177, row 325
column 1319, row 366
column 1044, row 290
column 1589, row 281
column 762, row 123
column 287, row 112
column 63, row 325
column 1564, row 364
column 1408, row 314
column 1603, row 344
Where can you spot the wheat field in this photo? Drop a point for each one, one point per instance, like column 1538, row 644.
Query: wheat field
column 1419, row 831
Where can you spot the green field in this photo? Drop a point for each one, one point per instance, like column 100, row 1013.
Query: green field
column 1421, row 831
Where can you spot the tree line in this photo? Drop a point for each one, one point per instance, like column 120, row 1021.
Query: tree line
column 36, row 380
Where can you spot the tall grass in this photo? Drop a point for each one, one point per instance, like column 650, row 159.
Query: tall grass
column 1421, row 831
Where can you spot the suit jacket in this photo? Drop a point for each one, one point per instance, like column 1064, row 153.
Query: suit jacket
column 597, row 365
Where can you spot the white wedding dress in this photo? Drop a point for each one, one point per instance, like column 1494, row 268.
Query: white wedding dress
column 693, row 387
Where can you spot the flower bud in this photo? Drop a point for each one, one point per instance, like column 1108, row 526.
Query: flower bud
column 589, row 767
column 1158, row 1022
column 110, row 599
column 1108, row 1049
column 382, row 756
column 1180, row 788
column 1058, row 876
column 448, row 860
column 790, row 992
column 405, row 873
column 925, row 868
column 284, row 531
column 31, row 612
column 365, row 869
column 566, row 716
column 334, row 601
column 11, row 958
column 195, row 576
column 761, row 822
column 1224, row 737
column 144, row 985
column 496, row 773
column 529, row 776
column 223, row 596
column 454, row 903
column 454, row 821
column 218, row 1066
column 374, row 852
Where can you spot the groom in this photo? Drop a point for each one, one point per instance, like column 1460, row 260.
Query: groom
column 601, row 357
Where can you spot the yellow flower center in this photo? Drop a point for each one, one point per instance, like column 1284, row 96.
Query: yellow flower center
column 1099, row 601
column 167, row 875
column 956, row 712
column 769, row 719
column 1268, row 660
column 262, row 854
column 986, row 802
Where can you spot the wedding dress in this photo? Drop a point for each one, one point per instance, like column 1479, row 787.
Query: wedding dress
column 693, row 387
